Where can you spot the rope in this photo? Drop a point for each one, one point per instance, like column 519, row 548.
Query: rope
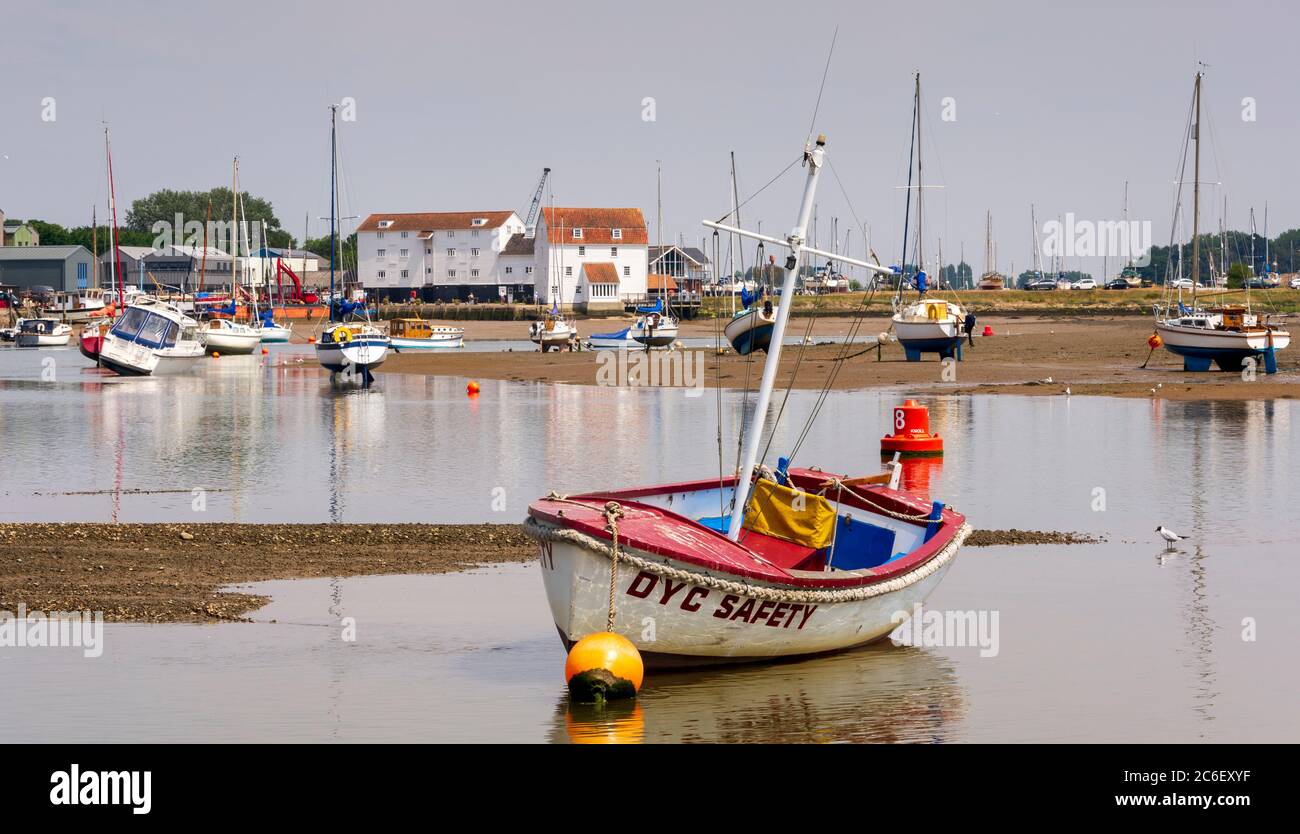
column 612, row 512
column 541, row 532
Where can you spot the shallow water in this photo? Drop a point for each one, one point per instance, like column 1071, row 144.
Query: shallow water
column 1113, row 641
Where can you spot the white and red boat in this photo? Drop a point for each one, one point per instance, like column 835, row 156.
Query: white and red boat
column 713, row 600
column 748, row 567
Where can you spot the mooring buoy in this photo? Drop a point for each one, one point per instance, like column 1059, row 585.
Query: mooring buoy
column 603, row 667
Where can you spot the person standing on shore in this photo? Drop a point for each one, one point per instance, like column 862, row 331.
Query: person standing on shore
column 970, row 327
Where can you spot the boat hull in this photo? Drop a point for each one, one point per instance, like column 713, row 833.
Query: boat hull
column 360, row 352
column 229, row 343
column 275, row 335
column 43, row 339
column 750, row 331
column 404, row 345
column 1227, row 349
column 702, row 626
column 131, row 359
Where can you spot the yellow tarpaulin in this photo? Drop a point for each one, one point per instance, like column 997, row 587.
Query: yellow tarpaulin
column 789, row 514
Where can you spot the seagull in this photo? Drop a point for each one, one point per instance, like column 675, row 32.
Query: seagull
column 1168, row 535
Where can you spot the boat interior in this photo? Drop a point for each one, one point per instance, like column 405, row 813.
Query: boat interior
column 799, row 525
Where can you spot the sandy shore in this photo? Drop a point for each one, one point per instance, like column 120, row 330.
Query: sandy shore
column 1089, row 355
column 172, row 572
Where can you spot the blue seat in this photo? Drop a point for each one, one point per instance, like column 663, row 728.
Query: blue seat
column 861, row 544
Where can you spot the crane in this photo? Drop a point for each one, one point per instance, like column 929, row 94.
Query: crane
column 537, row 199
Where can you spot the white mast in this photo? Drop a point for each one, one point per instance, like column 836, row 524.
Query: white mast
column 813, row 159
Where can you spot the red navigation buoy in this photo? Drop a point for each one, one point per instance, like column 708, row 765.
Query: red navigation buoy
column 911, row 435
column 472, row 388
column 988, row 330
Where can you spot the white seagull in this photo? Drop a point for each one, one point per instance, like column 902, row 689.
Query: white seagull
column 1168, row 535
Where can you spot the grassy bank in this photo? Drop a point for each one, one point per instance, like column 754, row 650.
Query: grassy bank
column 1136, row 302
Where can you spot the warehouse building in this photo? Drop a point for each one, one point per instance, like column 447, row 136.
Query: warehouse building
column 65, row 268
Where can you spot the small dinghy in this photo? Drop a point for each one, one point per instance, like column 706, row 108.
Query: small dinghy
column 756, row 566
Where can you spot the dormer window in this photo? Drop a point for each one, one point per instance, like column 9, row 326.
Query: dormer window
column 617, row 234
column 577, row 234
column 384, row 224
column 480, row 221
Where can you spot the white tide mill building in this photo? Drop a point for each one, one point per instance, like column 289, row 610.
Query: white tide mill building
column 443, row 256
column 590, row 258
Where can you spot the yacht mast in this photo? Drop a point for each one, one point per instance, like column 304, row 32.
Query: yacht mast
column 1196, row 195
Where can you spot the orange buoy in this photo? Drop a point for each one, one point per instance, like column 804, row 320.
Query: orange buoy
column 216, row 354
column 265, row 351
column 988, row 330
column 603, row 667
column 472, row 388
column 311, row 340
column 911, row 436
column 1154, row 341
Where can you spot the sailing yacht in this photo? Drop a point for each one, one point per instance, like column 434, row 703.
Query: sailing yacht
column 1226, row 335
column 226, row 336
column 350, row 343
column 750, row 328
column 927, row 325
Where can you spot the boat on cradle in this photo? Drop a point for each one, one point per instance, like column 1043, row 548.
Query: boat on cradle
column 152, row 338
column 1226, row 336
column 229, row 338
column 418, row 334
column 347, row 347
column 351, row 347
column 615, row 340
column 753, row 567
column 553, row 331
column 751, row 329
column 78, row 307
column 929, row 325
column 43, row 333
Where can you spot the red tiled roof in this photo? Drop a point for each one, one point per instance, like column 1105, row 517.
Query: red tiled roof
column 660, row 282
column 597, row 225
column 434, row 221
column 600, row 273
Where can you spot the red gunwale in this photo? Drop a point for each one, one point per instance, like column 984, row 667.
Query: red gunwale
column 642, row 529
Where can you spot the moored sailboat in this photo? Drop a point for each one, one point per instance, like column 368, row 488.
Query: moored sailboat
column 355, row 346
column 758, row 565
column 1230, row 335
column 927, row 325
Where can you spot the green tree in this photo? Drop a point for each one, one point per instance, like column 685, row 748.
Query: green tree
column 165, row 206
column 1238, row 275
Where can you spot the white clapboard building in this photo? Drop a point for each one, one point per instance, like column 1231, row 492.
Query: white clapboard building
column 590, row 258
column 442, row 256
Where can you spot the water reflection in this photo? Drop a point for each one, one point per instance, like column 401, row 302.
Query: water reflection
column 880, row 693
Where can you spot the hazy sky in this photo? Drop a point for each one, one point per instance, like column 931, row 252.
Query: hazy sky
column 460, row 105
